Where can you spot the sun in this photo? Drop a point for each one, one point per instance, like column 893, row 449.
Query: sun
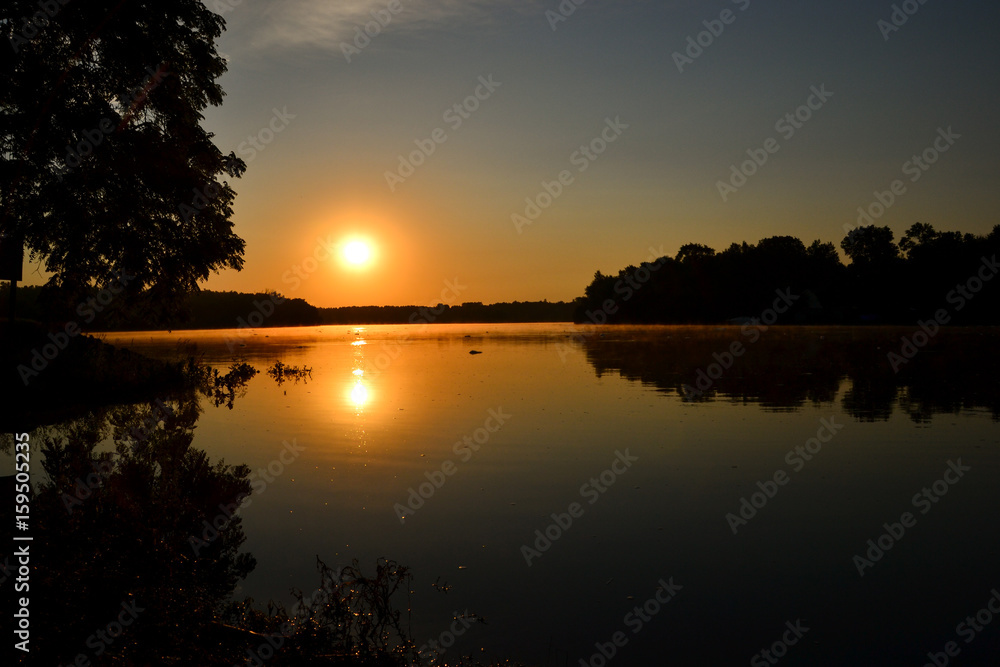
column 357, row 253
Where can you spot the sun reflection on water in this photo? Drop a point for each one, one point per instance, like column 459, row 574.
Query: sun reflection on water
column 359, row 394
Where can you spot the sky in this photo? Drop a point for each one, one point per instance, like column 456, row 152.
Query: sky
column 667, row 98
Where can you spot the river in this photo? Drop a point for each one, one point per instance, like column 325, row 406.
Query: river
column 635, row 495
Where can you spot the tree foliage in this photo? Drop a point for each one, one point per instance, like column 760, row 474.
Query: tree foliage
column 105, row 169
column 883, row 282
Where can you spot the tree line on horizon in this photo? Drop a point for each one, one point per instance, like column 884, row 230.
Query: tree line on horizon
column 885, row 282
column 468, row 312
column 207, row 309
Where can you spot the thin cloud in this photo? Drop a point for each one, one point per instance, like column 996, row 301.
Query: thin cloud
column 324, row 24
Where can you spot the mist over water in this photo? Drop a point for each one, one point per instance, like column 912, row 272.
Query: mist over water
column 753, row 488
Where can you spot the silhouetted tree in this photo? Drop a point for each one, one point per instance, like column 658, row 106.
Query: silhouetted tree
column 938, row 262
column 918, row 234
column 104, row 167
column 693, row 252
column 826, row 280
column 879, row 285
column 874, row 273
column 870, row 246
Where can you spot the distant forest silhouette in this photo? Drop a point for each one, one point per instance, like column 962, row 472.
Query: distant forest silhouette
column 886, row 282
column 223, row 310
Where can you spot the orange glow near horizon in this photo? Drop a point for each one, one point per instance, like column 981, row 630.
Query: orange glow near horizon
column 391, row 274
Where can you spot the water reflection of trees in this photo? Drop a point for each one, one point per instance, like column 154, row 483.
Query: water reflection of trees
column 787, row 368
column 281, row 373
column 137, row 553
column 113, row 528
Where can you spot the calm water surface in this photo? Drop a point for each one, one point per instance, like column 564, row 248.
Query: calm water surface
column 387, row 408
